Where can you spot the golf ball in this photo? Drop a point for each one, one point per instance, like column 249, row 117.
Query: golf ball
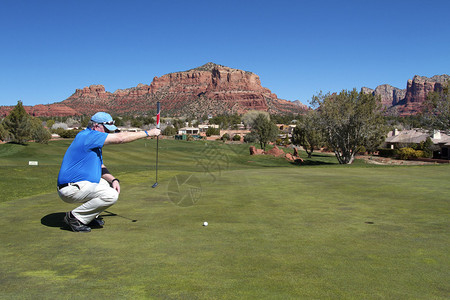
column 205, row 223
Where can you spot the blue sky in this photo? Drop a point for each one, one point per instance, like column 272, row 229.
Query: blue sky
column 51, row 48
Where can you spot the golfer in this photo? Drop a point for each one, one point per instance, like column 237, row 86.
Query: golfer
column 84, row 179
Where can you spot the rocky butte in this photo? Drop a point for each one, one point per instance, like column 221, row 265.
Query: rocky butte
column 216, row 89
column 209, row 89
column 408, row 101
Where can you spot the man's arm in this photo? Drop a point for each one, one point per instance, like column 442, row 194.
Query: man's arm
column 126, row 137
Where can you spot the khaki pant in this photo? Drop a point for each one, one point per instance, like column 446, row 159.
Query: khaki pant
column 96, row 197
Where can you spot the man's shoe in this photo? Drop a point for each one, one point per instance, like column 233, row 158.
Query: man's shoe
column 75, row 225
column 97, row 222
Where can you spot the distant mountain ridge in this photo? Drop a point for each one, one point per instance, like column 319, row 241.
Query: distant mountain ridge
column 215, row 89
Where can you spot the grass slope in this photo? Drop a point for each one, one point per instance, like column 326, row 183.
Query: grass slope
column 276, row 230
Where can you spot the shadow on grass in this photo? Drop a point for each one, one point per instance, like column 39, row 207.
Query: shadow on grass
column 55, row 220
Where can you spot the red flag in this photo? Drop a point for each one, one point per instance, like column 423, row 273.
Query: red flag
column 158, row 114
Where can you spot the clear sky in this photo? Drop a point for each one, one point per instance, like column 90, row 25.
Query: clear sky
column 50, row 48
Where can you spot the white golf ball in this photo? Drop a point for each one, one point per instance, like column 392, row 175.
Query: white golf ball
column 205, row 223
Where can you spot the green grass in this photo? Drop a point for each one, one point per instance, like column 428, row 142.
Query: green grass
column 276, row 230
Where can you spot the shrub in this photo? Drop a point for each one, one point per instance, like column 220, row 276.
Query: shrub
column 212, row 131
column 225, row 137
column 407, row 153
column 169, row 131
column 67, row 134
column 236, row 137
column 387, row 152
column 250, row 138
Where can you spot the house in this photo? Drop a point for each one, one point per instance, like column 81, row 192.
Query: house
column 184, row 132
column 443, row 141
column 398, row 139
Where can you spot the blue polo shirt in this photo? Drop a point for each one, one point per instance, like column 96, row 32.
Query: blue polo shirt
column 83, row 159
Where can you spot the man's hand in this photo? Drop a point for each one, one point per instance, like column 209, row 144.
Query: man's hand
column 154, row 132
column 116, row 185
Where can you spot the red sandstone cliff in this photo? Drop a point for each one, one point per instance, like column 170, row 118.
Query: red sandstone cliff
column 417, row 90
column 215, row 89
column 408, row 101
column 209, row 89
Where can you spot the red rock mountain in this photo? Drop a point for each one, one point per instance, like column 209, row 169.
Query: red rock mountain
column 409, row 101
column 209, row 89
column 215, row 89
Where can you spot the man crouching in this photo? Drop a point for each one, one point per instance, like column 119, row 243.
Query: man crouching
column 83, row 178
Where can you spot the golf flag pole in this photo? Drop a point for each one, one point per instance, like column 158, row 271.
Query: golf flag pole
column 158, row 114
column 158, row 125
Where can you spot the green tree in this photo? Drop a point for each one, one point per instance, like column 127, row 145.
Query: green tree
column 18, row 124
column 49, row 124
column 38, row 132
column 437, row 110
column 308, row 133
column 169, row 131
column 4, row 135
column 349, row 120
column 212, row 131
column 264, row 130
column 249, row 117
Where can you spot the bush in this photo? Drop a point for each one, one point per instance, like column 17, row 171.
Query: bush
column 212, row 131
column 387, row 152
column 225, row 137
column 408, row 153
column 236, row 137
column 67, row 134
column 169, row 131
column 250, row 138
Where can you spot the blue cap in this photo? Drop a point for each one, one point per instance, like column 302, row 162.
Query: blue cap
column 105, row 119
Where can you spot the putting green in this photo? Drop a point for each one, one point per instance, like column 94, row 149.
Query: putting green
column 273, row 233
column 276, row 230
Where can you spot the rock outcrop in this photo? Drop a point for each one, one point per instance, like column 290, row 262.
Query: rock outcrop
column 209, row 89
column 408, row 101
column 277, row 152
column 417, row 90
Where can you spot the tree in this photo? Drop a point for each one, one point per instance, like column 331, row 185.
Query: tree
column 3, row 133
column 437, row 110
column 350, row 120
column 212, row 131
column 249, row 117
column 307, row 133
column 18, row 124
column 264, row 130
column 38, row 132
column 169, row 131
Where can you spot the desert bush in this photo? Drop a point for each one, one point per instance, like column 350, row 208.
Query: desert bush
column 169, row 131
column 67, row 134
column 212, row 131
column 225, row 137
column 250, row 138
column 407, row 153
column 387, row 152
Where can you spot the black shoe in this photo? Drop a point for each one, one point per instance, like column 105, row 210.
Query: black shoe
column 75, row 225
column 97, row 222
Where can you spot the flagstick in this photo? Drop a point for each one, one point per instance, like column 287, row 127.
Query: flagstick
column 158, row 115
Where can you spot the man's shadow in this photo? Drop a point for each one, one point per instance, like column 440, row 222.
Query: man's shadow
column 55, row 220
